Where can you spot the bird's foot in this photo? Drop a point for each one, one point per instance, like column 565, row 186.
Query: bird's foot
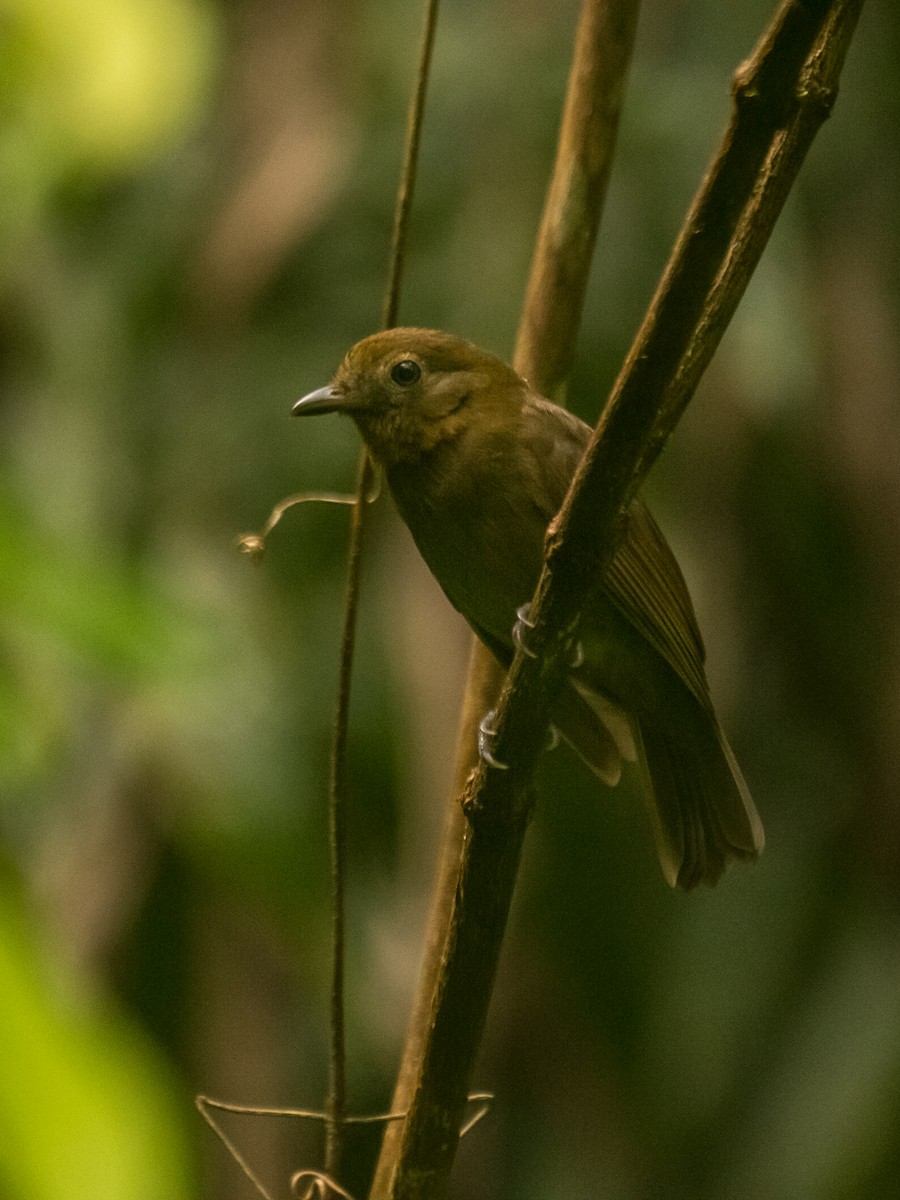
column 522, row 628
column 486, row 735
column 487, row 732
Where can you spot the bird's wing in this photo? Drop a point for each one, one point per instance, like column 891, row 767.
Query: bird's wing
column 553, row 440
column 592, row 725
column 645, row 583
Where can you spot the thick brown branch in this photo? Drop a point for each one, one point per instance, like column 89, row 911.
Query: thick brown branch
column 720, row 244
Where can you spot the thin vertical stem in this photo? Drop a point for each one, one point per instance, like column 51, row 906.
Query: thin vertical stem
column 410, row 163
column 337, row 817
column 337, row 833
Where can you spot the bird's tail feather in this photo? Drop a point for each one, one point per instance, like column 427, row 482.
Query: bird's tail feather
column 700, row 806
column 702, row 811
column 595, row 730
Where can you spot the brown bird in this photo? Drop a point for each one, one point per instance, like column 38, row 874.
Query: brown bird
column 478, row 464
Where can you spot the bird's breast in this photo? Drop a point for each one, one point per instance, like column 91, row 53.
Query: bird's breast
column 474, row 525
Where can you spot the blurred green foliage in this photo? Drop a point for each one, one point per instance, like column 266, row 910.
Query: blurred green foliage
column 197, row 203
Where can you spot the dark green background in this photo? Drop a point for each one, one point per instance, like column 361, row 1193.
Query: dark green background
column 194, row 226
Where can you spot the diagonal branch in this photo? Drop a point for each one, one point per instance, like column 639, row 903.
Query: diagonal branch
column 782, row 95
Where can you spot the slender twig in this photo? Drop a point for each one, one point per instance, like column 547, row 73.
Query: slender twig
column 254, row 544
column 337, row 1089
column 337, row 831
column 206, row 1105
column 415, row 120
column 781, row 97
column 547, row 332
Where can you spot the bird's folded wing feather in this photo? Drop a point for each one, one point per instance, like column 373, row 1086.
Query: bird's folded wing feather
column 644, row 580
column 646, row 585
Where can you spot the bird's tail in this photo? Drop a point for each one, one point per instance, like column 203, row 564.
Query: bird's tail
column 702, row 811
column 596, row 729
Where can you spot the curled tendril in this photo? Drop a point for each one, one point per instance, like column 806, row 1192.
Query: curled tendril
column 320, row 1185
column 254, row 544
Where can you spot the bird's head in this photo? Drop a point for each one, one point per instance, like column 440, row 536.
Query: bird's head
column 410, row 389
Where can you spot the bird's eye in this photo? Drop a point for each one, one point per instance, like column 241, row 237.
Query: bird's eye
column 406, row 372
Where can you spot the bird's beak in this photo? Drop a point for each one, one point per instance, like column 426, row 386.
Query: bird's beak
column 324, row 400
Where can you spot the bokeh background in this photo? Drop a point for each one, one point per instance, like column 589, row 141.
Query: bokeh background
column 196, row 202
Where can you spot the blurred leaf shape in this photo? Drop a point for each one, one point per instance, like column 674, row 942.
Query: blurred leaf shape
column 86, row 1108
column 92, row 87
